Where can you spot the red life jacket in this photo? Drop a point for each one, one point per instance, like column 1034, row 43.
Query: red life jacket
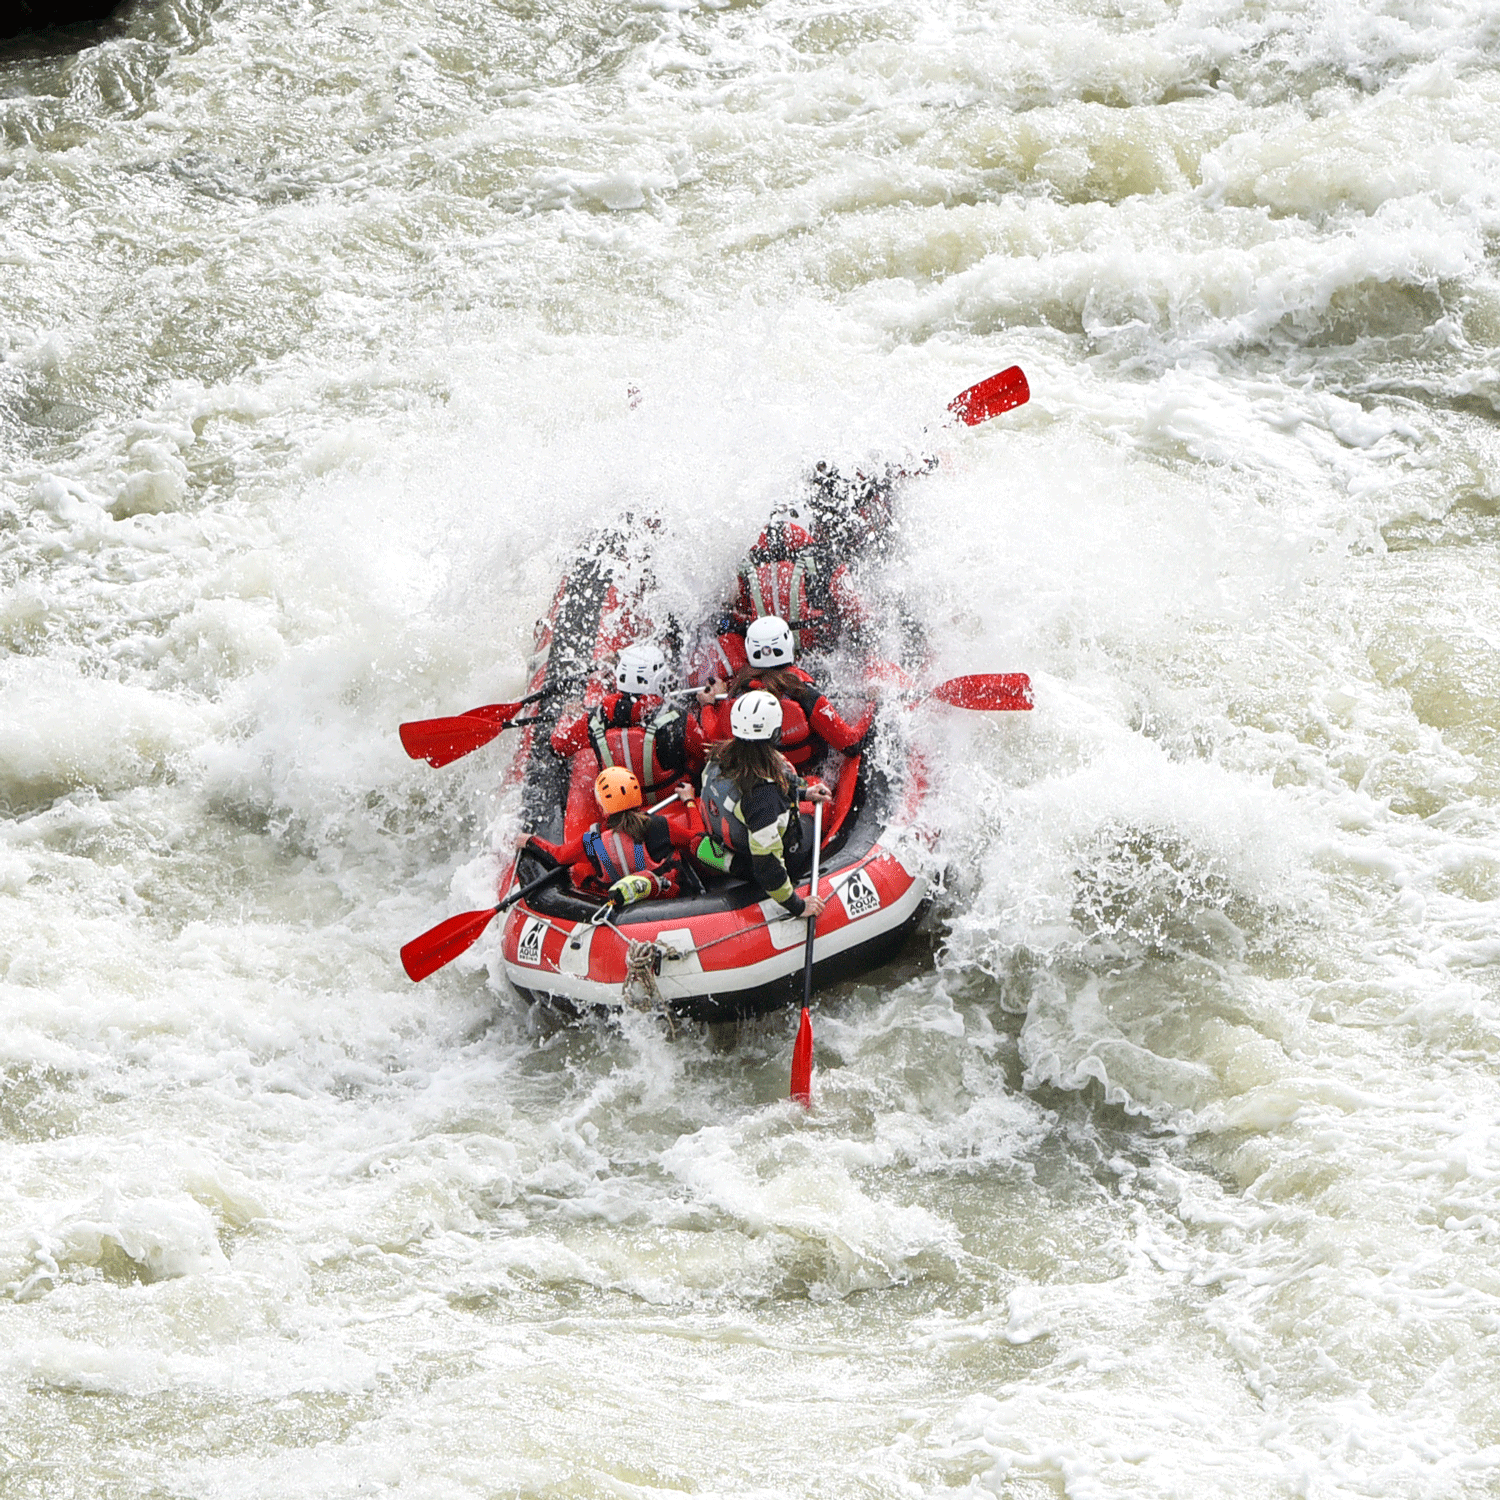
column 780, row 588
column 785, row 576
column 634, row 748
column 721, row 657
column 780, row 579
column 613, row 856
column 796, row 732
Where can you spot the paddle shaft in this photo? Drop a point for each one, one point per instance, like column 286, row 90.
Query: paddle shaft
column 812, row 890
column 529, row 888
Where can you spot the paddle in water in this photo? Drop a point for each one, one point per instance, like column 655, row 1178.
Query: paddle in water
column 802, row 1061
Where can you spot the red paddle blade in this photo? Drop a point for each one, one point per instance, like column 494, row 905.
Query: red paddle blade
column 442, row 944
column 802, row 1063
column 990, row 397
column 988, row 691
column 439, row 741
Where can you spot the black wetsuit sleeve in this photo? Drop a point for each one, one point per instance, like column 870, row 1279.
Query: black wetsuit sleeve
column 807, row 697
column 770, row 818
column 659, row 846
column 671, row 745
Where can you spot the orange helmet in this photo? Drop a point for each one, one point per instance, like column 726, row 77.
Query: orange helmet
column 615, row 790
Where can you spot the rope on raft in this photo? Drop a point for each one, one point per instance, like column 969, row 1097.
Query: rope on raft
column 640, row 990
column 644, row 957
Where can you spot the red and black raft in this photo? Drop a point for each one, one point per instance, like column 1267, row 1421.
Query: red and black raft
column 727, row 952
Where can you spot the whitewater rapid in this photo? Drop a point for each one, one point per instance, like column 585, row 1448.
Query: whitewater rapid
column 1166, row 1161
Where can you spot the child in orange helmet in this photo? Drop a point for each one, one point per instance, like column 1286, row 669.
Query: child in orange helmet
column 631, row 855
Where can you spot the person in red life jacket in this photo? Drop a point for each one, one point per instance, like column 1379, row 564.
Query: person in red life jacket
column 630, row 855
column 799, row 569
column 805, row 712
column 793, row 574
column 634, row 727
column 718, row 657
column 750, row 796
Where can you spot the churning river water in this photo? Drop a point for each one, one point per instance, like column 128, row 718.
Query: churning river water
column 1166, row 1161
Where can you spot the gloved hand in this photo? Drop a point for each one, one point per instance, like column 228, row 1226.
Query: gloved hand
column 630, row 888
column 527, row 844
column 865, row 724
column 860, row 745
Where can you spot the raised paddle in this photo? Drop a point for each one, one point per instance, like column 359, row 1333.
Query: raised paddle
column 802, row 1051
column 442, row 944
column 989, row 692
column 990, row 397
column 438, row 741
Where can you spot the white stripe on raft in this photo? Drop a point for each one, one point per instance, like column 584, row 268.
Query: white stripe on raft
column 696, row 982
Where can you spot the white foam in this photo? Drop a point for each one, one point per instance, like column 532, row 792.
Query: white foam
column 337, row 330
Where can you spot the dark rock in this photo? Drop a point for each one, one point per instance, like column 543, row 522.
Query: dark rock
column 27, row 19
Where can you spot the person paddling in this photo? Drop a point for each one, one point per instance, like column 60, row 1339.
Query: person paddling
column 800, row 565
column 749, row 802
column 805, row 711
column 634, row 728
column 790, row 573
column 630, row 856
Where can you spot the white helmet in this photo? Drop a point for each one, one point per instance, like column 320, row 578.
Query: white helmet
column 755, row 716
column 641, row 669
column 768, row 642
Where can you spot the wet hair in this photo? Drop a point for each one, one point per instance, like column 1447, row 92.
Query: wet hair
column 777, row 681
column 748, row 762
column 631, row 821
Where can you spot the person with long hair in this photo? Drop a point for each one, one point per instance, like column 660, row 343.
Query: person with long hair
column 806, row 711
column 630, row 855
column 749, row 802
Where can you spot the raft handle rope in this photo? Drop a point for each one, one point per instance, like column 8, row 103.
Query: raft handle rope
column 665, row 952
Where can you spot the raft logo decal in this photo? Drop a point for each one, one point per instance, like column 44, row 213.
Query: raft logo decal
column 860, row 896
column 529, row 948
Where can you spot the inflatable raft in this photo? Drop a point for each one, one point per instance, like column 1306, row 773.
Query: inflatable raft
column 727, row 952
column 723, row 952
